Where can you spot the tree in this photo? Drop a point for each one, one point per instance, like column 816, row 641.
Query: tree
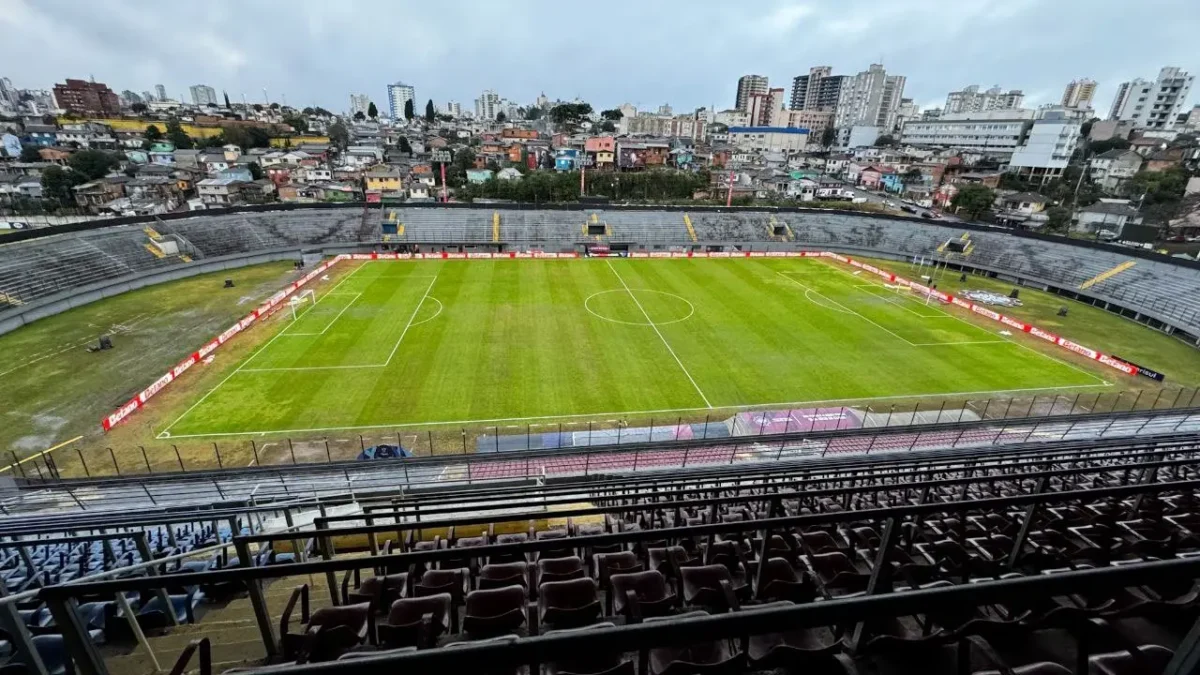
column 608, row 126
column 139, row 107
column 274, row 106
column 359, row 116
column 246, row 137
column 309, row 111
column 338, row 135
column 29, row 153
column 297, row 122
column 258, row 107
column 885, row 141
column 322, row 112
column 57, row 183
column 430, row 113
column 534, row 113
column 1160, row 192
column 828, row 136
column 612, row 115
column 1059, row 219
column 570, row 115
column 92, row 164
column 256, row 171
column 372, row 111
column 974, row 200
column 405, row 146
column 408, row 110
column 501, row 118
column 153, row 134
column 913, row 175
column 227, row 106
column 49, row 120
column 177, row 136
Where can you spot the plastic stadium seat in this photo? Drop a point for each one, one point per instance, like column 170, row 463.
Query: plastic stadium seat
column 1134, row 661
column 716, row 656
column 559, row 569
column 568, row 604
column 417, row 622
column 712, row 587
column 641, row 594
column 490, row 612
column 778, row 580
column 499, row 575
column 592, row 663
column 805, row 650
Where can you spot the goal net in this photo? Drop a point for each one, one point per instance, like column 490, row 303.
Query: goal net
column 302, row 302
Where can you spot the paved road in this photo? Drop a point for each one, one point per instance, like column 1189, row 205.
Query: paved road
column 895, row 204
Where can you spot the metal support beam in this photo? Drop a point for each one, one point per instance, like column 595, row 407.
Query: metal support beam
column 258, row 602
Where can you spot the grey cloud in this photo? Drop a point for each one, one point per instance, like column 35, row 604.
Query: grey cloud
column 684, row 52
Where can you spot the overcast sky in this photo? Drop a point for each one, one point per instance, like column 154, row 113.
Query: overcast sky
column 687, row 53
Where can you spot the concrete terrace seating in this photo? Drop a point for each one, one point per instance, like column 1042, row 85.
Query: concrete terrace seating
column 734, row 227
column 542, row 227
column 644, row 226
column 445, row 225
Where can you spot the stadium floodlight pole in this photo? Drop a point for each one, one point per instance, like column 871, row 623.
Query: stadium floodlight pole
column 729, row 195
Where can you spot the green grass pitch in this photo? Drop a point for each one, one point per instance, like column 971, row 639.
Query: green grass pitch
column 409, row 343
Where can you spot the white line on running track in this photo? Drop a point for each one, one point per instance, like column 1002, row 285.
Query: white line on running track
column 628, row 413
column 660, row 335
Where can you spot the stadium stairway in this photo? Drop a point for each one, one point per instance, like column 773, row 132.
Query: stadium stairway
column 1107, row 274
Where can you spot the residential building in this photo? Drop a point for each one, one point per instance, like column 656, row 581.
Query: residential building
column 970, row 99
column 89, row 98
column 1153, row 105
column 202, row 94
column 220, row 191
column 732, row 118
column 768, row 139
column 488, row 105
column 453, row 109
column 1079, row 93
column 1111, row 215
column 360, row 103
column 818, row 90
column 996, row 131
column 399, row 94
column 1022, row 207
column 816, row 121
column 1111, row 169
column 479, row 175
column 160, row 92
column 1047, row 148
column 747, row 86
column 383, row 178
column 871, row 98
column 86, row 135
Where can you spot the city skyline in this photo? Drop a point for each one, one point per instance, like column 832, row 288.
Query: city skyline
column 780, row 42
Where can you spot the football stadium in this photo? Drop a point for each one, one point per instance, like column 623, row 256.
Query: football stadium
column 481, row 438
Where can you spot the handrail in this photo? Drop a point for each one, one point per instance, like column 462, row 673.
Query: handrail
column 750, row 621
column 185, row 657
column 403, row 559
column 707, row 502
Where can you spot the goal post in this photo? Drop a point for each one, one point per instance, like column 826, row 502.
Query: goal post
column 300, row 300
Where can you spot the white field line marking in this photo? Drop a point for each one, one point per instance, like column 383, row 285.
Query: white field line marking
column 435, row 314
column 627, row 413
column 660, row 335
column 330, row 324
column 886, row 297
column 965, row 342
column 844, row 308
column 411, row 319
column 808, row 293
column 1015, row 342
column 369, row 365
column 240, row 367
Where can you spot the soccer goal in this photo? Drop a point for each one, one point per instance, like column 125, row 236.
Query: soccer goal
column 304, row 299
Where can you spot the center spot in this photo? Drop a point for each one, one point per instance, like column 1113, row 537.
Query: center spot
column 618, row 306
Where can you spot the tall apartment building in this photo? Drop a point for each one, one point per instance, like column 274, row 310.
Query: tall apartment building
column 818, row 90
column 747, row 86
column 970, row 99
column 453, row 109
column 1152, row 105
column 360, row 103
column 398, row 94
column 1079, row 94
column 202, row 94
column 870, row 98
column 81, row 96
column 160, row 92
column 487, row 105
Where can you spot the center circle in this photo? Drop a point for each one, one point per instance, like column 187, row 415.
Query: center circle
column 618, row 306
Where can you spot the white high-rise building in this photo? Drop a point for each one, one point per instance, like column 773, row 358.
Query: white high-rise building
column 1046, row 149
column 359, row 103
column 747, row 86
column 453, row 109
column 970, row 99
column 398, row 94
column 8, row 95
column 160, row 92
column 487, row 105
column 202, row 94
column 1153, row 105
column 1079, row 93
column 870, row 98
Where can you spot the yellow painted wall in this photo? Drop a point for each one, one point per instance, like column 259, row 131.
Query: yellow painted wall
column 282, row 141
column 139, row 126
